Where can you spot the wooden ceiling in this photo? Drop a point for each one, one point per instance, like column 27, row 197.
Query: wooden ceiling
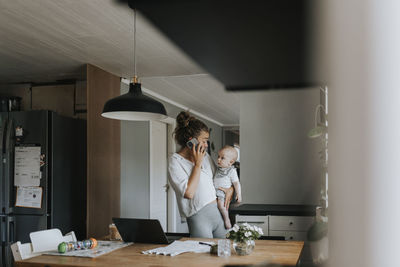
column 47, row 40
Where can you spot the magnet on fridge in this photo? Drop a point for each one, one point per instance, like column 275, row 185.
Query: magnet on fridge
column 19, row 131
column 42, row 159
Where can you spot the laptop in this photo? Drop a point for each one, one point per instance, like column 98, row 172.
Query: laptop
column 142, row 231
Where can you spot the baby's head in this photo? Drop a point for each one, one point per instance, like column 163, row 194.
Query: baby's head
column 227, row 156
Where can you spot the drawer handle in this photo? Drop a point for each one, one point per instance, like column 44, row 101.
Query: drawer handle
column 291, row 238
column 291, row 223
column 251, row 222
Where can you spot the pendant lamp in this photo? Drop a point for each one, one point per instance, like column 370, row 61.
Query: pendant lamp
column 134, row 106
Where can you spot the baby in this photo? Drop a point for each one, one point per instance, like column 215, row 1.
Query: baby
column 225, row 176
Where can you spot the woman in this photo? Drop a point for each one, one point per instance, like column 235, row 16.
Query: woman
column 191, row 176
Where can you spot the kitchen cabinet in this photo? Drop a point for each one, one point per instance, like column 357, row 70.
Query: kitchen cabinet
column 290, row 235
column 288, row 221
column 290, row 227
column 260, row 221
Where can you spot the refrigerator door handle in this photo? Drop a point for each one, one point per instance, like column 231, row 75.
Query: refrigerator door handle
column 10, row 230
column 3, row 231
column 10, row 136
column 8, row 166
column 3, row 188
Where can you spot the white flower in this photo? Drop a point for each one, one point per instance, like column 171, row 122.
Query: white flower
column 244, row 231
column 260, row 231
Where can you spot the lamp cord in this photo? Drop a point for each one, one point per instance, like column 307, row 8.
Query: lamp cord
column 134, row 45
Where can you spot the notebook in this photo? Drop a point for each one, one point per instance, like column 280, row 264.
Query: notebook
column 142, row 231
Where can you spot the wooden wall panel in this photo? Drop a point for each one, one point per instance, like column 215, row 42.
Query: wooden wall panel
column 58, row 98
column 21, row 90
column 104, row 152
column 65, row 99
column 80, row 99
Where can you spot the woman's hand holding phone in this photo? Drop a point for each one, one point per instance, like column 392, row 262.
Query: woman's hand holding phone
column 198, row 153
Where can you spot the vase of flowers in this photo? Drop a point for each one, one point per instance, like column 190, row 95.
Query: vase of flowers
column 243, row 236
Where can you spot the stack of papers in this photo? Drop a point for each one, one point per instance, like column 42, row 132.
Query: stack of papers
column 178, row 247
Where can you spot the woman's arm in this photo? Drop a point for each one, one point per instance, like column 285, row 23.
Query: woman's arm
column 198, row 155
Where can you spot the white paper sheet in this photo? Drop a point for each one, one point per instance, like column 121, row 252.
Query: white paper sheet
column 27, row 166
column 29, row 197
column 178, row 247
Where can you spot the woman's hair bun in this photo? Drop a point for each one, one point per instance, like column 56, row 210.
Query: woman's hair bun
column 183, row 119
column 188, row 127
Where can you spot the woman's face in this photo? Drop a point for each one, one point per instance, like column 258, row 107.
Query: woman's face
column 203, row 138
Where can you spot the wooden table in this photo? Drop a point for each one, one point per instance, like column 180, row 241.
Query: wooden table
column 279, row 252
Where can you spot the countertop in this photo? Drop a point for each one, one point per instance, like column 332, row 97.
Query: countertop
column 267, row 209
column 276, row 252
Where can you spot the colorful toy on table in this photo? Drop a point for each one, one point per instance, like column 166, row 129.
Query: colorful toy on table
column 85, row 244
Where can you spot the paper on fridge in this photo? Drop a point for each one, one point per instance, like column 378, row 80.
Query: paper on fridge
column 29, row 197
column 27, row 166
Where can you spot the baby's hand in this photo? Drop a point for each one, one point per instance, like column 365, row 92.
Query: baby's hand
column 238, row 199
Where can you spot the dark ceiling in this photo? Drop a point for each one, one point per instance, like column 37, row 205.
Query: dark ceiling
column 246, row 45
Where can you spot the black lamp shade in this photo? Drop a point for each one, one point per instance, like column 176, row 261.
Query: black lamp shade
column 134, row 106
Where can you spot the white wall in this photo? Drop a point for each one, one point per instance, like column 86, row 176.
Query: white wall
column 135, row 175
column 158, row 172
column 279, row 163
column 364, row 165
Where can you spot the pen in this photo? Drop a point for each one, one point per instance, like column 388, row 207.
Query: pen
column 203, row 243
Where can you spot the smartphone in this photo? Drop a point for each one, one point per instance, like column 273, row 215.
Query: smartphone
column 192, row 142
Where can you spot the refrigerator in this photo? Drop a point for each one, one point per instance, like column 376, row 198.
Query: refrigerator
column 62, row 144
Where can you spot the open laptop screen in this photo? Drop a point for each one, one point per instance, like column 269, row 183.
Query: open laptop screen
column 140, row 230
